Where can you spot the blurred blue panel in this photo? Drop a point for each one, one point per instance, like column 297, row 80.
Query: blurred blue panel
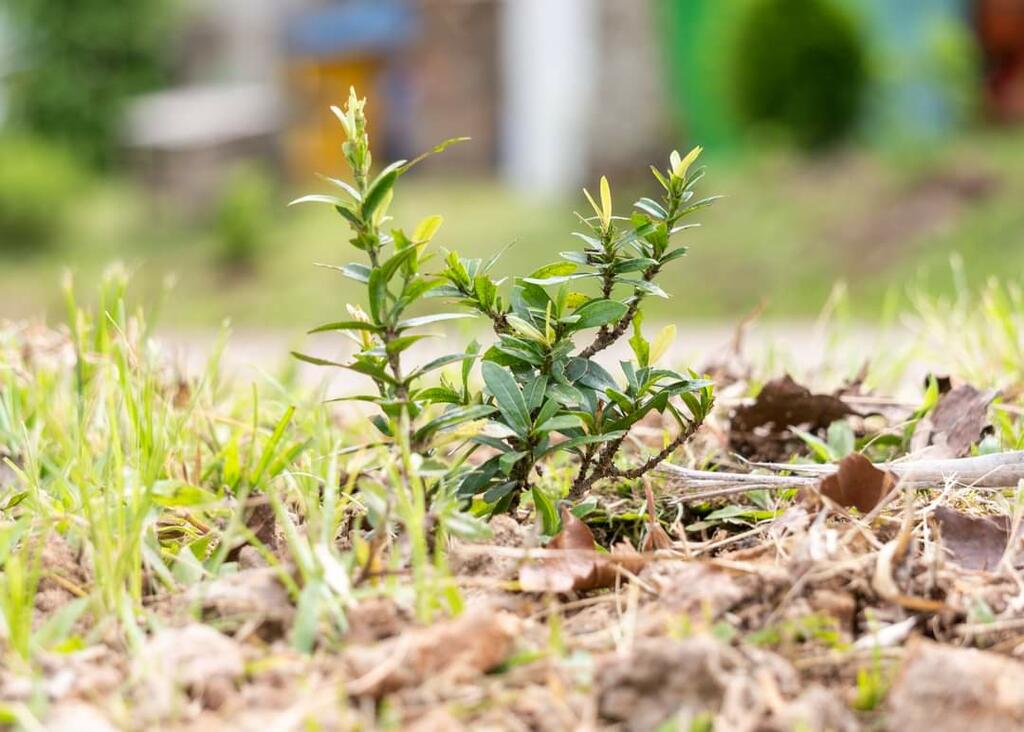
column 925, row 64
column 351, row 27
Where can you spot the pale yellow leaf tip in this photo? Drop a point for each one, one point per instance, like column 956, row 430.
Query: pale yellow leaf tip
column 606, row 203
column 680, row 167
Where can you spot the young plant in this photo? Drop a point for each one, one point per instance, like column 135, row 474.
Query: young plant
column 542, row 394
column 553, row 396
column 394, row 282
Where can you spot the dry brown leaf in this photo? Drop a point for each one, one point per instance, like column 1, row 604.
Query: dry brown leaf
column 582, row 568
column 973, row 542
column 955, row 424
column 857, row 483
column 761, row 430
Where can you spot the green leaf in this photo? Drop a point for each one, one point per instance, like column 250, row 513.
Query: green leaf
column 435, row 318
column 347, row 187
column 346, row 325
column 316, row 361
column 598, row 312
column 391, row 266
column 841, row 438
column 319, row 198
column 441, row 361
column 378, row 289
column 552, row 274
column 427, row 228
column 440, row 147
column 485, row 290
column 380, row 187
column 652, row 207
column 354, row 271
column 546, row 510
column 307, row 617
column 555, row 269
column 582, row 440
column 589, row 373
column 533, row 391
column 560, row 422
column 453, row 417
column 507, row 394
column 402, row 343
column 495, row 494
column 525, row 329
column 508, row 461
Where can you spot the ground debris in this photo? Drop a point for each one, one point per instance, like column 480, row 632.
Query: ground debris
column 955, row 425
column 505, row 531
column 857, row 483
column 760, row 431
column 699, row 677
column 194, row 659
column 674, row 583
column 582, row 568
column 945, row 689
column 253, row 598
column 375, row 619
column 467, row 646
column 973, row 542
column 76, row 716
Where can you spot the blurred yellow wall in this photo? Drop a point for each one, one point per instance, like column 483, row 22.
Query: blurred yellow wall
column 314, row 136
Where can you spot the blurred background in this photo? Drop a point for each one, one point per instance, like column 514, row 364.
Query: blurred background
column 857, row 141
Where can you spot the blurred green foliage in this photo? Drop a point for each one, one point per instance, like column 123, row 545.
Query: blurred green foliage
column 38, row 182
column 79, row 61
column 800, row 69
column 243, row 218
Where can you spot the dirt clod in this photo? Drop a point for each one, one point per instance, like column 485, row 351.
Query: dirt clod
column 469, row 645
column 698, row 676
column 195, row 659
column 945, row 689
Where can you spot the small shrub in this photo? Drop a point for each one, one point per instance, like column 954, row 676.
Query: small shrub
column 242, row 224
column 543, row 394
column 38, row 183
column 800, row 68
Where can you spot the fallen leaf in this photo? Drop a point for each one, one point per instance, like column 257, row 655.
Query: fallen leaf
column 956, row 423
column 462, row 648
column 857, row 483
column 761, row 430
column 582, row 568
column 973, row 542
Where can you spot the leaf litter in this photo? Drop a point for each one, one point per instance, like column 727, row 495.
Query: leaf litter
column 894, row 603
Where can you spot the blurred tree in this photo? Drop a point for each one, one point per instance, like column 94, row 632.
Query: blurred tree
column 800, row 68
column 79, row 60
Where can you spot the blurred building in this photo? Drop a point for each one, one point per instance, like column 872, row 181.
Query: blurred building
column 552, row 92
column 548, row 92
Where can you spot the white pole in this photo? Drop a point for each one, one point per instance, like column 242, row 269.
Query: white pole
column 547, row 70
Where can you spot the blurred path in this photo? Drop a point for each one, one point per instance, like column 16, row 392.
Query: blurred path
column 803, row 348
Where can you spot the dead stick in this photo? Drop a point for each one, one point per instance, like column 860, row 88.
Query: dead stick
column 1000, row 470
